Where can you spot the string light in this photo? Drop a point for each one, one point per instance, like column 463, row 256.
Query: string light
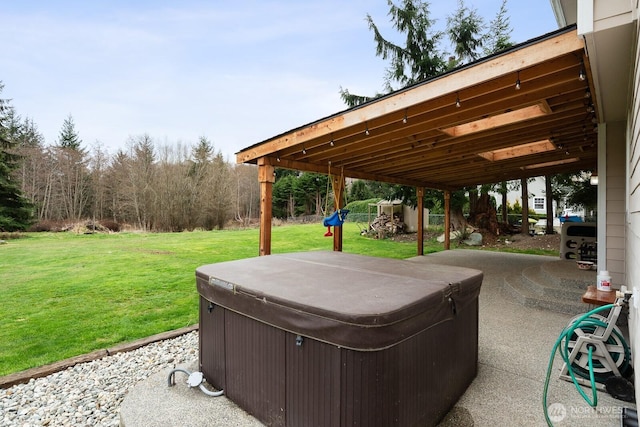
column 458, row 104
column 582, row 76
column 304, row 151
column 518, row 81
column 404, row 119
column 366, row 129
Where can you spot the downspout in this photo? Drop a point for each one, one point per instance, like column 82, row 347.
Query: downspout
column 602, row 197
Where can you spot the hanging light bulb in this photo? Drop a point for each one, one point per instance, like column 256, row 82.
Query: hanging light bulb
column 518, row 81
column 304, row 151
column 331, row 143
column 587, row 93
column 366, row 129
column 458, row 103
column 582, row 76
column 404, row 119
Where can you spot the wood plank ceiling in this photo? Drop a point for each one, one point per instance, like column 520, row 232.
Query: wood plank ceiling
column 470, row 126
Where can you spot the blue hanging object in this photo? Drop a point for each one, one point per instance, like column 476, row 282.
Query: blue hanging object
column 336, row 219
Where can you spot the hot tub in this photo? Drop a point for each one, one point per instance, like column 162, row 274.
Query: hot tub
column 335, row 339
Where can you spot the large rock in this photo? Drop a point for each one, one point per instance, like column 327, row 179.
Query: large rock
column 475, row 239
column 452, row 236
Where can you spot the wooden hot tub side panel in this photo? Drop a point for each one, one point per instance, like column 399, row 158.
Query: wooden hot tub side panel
column 281, row 383
column 313, row 383
column 212, row 349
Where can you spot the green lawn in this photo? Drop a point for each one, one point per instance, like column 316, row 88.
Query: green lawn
column 66, row 294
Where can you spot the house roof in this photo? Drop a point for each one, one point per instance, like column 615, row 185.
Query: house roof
column 466, row 127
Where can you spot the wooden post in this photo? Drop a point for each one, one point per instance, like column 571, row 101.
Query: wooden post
column 338, row 188
column 420, row 195
column 266, row 177
column 447, row 219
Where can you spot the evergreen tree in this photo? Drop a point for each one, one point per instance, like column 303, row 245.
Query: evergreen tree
column 68, row 137
column 421, row 58
column 16, row 212
column 417, row 60
column 201, row 157
column 464, row 28
column 498, row 36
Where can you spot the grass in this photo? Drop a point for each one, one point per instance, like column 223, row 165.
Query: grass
column 67, row 294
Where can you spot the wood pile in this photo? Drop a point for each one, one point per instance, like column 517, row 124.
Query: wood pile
column 385, row 226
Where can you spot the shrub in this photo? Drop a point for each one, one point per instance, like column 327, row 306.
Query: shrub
column 110, row 225
column 43, row 226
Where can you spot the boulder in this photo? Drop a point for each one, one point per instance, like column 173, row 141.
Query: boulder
column 475, row 239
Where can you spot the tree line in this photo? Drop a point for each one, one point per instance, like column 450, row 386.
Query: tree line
column 149, row 186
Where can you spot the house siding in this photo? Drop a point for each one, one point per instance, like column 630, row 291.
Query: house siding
column 615, row 202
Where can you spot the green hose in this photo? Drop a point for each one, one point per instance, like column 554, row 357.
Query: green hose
column 566, row 335
column 590, row 325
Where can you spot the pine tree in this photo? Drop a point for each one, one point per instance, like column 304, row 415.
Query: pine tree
column 68, row 137
column 421, row 57
column 73, row 180
column 464, row 28
column 498, row 36
column 417, row 60
column 16, row 212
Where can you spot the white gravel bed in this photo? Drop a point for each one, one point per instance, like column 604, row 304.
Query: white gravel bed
column 90, row 394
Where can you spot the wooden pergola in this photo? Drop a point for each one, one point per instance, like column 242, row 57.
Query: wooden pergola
column 528, row 111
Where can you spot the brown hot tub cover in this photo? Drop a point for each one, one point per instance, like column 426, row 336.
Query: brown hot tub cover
column 353, row 301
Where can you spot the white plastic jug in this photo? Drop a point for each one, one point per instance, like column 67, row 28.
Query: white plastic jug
column 604, row 281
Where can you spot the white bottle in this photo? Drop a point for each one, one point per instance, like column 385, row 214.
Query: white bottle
column 604, row 281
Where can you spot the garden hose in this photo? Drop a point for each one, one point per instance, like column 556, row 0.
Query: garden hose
column 584, row 321
column 621, row 360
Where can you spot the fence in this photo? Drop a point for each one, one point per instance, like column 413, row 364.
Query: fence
column 363, row 218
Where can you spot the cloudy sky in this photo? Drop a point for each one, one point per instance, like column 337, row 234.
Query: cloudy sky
column 237, row 72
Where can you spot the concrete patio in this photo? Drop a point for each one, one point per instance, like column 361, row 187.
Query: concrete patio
column 515, row 342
